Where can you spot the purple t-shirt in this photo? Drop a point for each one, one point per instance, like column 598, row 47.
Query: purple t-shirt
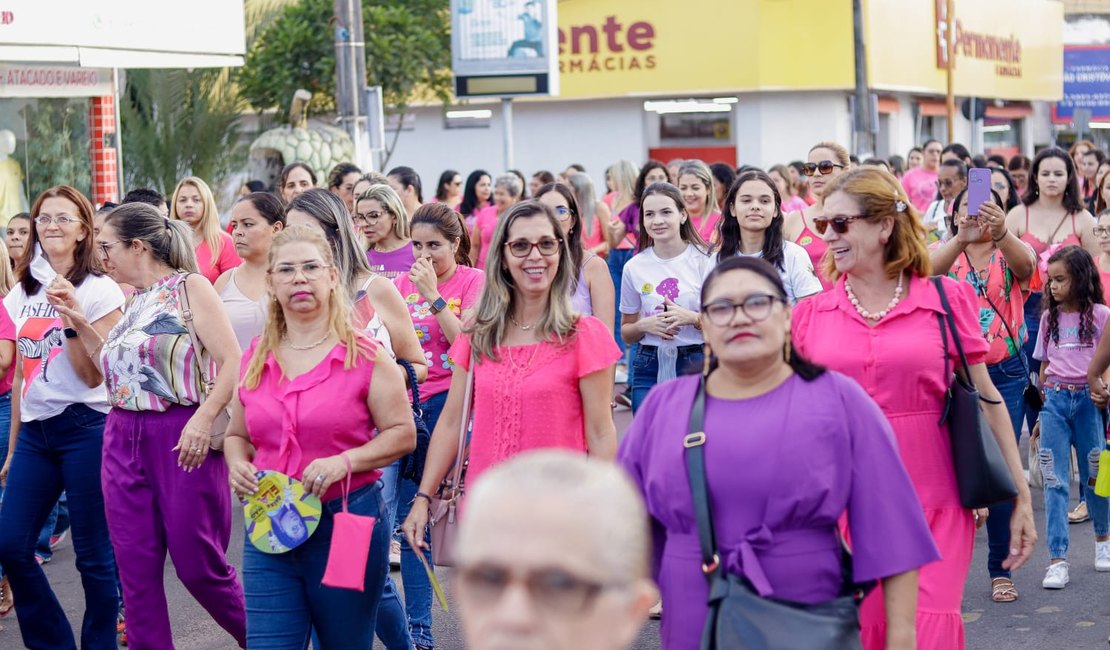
column 1069, row 357
column 630, row 217
column 392, row 264
column 810, row 450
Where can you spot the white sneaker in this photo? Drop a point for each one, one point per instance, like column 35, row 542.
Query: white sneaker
column 394, row 553
column 1056, row 576
column 1102, row 556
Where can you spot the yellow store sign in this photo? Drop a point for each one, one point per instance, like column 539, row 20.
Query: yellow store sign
column 1006, row 49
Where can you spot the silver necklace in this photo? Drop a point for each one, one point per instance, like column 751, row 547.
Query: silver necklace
column 310, row 346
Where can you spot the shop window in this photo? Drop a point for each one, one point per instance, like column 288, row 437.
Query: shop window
column 696, row 126
column 1001, row 134
column 51, row 147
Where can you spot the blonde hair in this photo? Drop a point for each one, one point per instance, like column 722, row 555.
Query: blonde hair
column 209, row 226
column 602, row 492
column 702, row 172
column 339, row 311
column 7, row 276
column 842, row 155
column 623, row 175
column 388, row 198
column 880, row 195
column 499, row 296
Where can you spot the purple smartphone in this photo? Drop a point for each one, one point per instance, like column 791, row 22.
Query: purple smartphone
column 978, row 189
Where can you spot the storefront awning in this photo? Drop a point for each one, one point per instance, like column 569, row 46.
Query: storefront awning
column 99, row 57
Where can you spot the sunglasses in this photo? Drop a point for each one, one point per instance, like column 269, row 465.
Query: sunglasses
column 839, row 224
column 825, row 167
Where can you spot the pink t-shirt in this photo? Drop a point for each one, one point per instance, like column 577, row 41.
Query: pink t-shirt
column 323, row 412
column 921, row 186
column 529, row 399
column 793, row 204
column 485, row 222
column 7, row 333
column 1069, row 356
column 707, row 226
column 228, row 258
column 460, row 292
column 392, row 264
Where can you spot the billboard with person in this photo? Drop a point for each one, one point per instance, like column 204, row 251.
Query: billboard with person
column 504, row 47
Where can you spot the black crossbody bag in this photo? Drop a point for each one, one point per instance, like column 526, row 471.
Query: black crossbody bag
column 738, row 618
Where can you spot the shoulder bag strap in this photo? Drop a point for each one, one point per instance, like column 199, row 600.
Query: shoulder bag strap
column 464, row 425
column 198, row 347
column 699, row 489
column 952, row 328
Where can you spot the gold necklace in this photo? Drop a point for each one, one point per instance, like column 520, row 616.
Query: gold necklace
column 512, row 357
column 310, row 346
column 523, row 328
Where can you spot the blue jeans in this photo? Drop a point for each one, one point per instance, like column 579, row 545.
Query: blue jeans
column 645, row 368
column 1009, row 377
column 1069, row 418
column 392, row 627
column 51, row 455
column 285, row 600
column 616, row 260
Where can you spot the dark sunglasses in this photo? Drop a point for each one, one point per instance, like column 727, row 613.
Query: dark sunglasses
column 825, row 167
column 839, row 224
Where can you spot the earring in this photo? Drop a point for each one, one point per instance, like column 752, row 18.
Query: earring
column 786, row 350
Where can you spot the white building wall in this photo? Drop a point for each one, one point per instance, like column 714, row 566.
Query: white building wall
column 774, row 128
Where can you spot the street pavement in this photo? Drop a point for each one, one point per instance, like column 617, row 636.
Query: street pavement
column 1075, row 617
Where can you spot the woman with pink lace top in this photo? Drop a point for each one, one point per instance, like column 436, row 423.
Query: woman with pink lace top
column 542, row 373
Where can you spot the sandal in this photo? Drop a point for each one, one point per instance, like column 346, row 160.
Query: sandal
column 1003, row 590
column 6, row 602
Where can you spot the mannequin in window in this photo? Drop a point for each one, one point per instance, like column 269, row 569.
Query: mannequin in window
column 12, row 198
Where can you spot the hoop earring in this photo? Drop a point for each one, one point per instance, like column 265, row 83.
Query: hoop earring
column 786, row 350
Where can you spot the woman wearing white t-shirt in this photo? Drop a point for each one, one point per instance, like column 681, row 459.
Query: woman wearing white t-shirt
column 661, row 290
column 751, row 225
column 58, row 409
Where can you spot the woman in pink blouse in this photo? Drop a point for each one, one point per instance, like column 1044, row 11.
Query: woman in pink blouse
column 879, row 326
column 542, row 373
column 194, row 204
column 319, row 401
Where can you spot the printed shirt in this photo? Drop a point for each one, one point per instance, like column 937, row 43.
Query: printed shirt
column 921, row 186
column 1069, row 356
column 996, row 285
column 392, row 264
column 461, row 292
column 148, row 359
column 50, row 384
column 648, row 280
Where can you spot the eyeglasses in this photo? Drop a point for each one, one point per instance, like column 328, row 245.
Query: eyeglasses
column 1000, row 187
column 562, row 212
column 286, row 273
column 551, row 590
column 62, row 220
column 1101, row 231
column 825, row 167
column 948, row 182
column 105, row 245
column 547, row 247
column 369, row 217
column 757, row 307
column 839, row 224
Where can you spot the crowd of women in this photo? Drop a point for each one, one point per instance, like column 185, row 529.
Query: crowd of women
column 153, row 360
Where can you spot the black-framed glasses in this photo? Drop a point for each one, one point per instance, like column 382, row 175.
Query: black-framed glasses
column 62, row 220
column 839, row 224
column 369, row 217
column 551, row 590
column 547, row 247
column 757, row 307
column 825, row 167
column 286, row 273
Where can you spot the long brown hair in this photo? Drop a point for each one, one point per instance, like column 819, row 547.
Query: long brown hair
column 686, row 231
column 449, row 223
column 84, row 257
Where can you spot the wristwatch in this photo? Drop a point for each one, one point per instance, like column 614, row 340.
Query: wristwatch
column 70, row 333
column 439, row 305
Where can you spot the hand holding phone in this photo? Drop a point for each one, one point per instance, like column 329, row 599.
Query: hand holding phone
column 978, row 189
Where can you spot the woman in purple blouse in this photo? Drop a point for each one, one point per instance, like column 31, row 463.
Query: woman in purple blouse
column 790, row 448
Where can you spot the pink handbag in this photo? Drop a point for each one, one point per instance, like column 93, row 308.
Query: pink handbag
column 444, row 521
column 350, row 545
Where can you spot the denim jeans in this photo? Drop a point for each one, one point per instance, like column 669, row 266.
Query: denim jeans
column 51, row 455
column 392, row 626
column 1069, row 418
column 1009, row 377
column 285, row 600
column 616, row 260
column 645, row 367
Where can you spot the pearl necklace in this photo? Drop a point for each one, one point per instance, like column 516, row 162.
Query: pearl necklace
column 310, row 346
column 868, row 315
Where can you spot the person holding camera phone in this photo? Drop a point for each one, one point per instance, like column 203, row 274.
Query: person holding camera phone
column 992, row 259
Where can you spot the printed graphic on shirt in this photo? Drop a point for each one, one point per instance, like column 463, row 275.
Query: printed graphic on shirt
column 40, row 341
column 380, row 270
column 667, row 288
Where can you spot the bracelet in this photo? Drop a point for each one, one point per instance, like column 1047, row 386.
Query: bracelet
column 422, row 495
column 1000, row 238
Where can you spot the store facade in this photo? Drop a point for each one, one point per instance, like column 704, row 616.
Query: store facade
column 755, row 82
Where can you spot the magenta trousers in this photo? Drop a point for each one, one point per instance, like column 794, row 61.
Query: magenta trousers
column 154, row 506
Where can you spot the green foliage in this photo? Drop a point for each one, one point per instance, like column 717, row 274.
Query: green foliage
column 57, row 133
column 408, row 53
column 179, row 123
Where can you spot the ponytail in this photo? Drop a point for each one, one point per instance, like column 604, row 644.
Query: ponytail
column 170, row 240
column 449, row 223
column 178, row 247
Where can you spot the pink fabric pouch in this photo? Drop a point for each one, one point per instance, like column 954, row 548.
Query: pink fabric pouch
column 350, row 546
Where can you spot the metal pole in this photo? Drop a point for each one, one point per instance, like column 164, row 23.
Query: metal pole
column 119, row 135
column 507, row 117
column 865, row 138
column 350, row 51
column 950, row 48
